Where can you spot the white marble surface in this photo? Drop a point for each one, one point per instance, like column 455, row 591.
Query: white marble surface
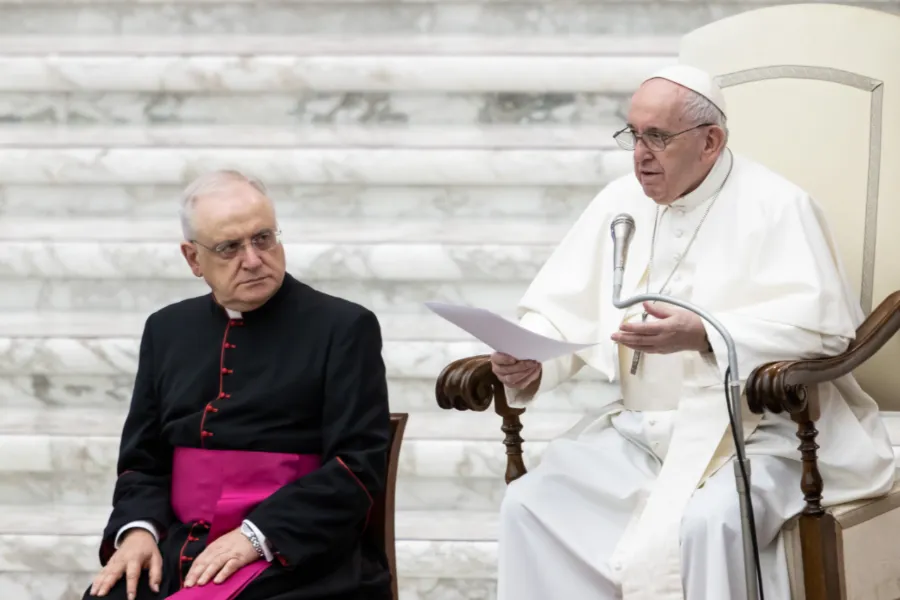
column 413, row 493
column 396, row 262
column 175, row 166
column 140, row 294
column 299, row 108
column 78, row 554
column 285, row 73
column 397, row 327
column 117, row 356
column 416, row 395
column 369, row 18
column 447, row 425
column 421, row 525
column 339, row 45
column 88, row 455
column 71, row 586
column 398, row 135
column 410, row 230
column 351, row 202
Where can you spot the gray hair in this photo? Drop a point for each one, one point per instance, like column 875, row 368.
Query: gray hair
column 210, row 183
column 698, row 109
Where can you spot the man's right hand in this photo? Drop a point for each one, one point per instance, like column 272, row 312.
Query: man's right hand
column 514, row 373
column 138, row 551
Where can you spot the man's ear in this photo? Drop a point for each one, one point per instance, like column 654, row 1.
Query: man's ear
column 715, row 140
column 189, row 252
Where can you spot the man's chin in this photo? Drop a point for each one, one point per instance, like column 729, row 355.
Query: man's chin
column 652, row 191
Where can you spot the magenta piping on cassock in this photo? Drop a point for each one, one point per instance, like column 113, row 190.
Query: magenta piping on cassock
column 220, row 488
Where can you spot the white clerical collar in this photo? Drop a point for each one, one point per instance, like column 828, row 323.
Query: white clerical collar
column 233, row 314
column 713, row 182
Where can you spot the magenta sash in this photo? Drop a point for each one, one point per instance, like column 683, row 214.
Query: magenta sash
column 220, row 488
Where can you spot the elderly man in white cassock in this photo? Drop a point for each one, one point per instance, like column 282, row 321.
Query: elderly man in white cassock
column 635, row 502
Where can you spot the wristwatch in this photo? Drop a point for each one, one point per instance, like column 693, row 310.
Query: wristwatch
column 251, row 535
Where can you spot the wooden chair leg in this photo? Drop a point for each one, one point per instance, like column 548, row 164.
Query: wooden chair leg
column 818, row 530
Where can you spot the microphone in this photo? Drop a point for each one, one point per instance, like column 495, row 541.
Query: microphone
column 622, row 230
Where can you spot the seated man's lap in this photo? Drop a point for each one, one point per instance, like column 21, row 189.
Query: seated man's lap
column 775, row 496
column 120, row 590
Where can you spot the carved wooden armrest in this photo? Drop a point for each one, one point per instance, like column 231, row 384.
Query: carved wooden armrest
column 470, row 384
column 790, row 386
column 782, row 386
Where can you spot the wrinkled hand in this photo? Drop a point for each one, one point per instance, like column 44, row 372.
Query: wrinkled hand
column 221, row 559
column 137, row 552
column 674, row 331
column 515, row 373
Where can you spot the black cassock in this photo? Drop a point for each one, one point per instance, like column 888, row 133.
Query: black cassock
column 303, row 374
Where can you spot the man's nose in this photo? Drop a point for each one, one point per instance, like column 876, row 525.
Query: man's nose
column 251, row 257
column 641, row 152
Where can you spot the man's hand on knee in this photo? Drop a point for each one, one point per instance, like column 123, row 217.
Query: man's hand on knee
column 221, row 559
column 137, row 552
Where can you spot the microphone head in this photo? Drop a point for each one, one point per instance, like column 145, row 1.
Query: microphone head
column 622, row 227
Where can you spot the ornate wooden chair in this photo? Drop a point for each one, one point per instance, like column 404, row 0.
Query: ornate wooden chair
column 381, row 527
column 812, row 92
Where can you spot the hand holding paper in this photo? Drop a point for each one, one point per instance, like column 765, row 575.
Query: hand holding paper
column 502, row 335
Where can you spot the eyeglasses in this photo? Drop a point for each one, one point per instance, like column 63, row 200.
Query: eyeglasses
column 263, row 241
column 627, row 138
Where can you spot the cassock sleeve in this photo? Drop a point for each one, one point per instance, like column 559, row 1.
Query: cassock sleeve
column 797, row 304
column 320, row 517
column 142, row 490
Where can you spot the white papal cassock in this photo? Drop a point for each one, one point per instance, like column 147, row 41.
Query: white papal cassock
column 633, row 502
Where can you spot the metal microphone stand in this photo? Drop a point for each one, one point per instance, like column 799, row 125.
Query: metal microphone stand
column 743, row 486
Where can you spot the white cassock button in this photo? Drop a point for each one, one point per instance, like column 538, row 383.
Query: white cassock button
column 652, row 422
column 679, row 233
column 617, row 566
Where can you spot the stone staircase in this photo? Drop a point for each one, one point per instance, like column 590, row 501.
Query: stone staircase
column 437, row 153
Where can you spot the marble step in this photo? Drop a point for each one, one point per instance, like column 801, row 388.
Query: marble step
column 432, row 262
column 322, row 44
column 39, row 585
column 407, row 394
column 30, row 350
column 287, row 109
column 294, row 232
column 249, row 72
column 292, row 81
column 373, row 17
column 318, row 136
column 397, row 262
column 303, row 202
column 81, row 469
column 107, row 421
column 139, row 293
column 101, row 164
column 441, row 555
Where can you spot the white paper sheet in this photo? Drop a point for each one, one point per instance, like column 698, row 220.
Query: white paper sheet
column 502, row 335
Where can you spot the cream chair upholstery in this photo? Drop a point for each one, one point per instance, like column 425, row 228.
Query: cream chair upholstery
column 813, row 92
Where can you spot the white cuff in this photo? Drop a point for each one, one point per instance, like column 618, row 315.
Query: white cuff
column 147, row 525
column 262, row 539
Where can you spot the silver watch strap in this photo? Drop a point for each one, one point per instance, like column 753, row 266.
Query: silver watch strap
column 251, row 535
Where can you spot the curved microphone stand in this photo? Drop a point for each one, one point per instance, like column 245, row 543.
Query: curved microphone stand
column 622, row 228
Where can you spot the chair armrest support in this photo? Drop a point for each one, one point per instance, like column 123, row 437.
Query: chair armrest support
column 470, row 384
column 782, row 386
